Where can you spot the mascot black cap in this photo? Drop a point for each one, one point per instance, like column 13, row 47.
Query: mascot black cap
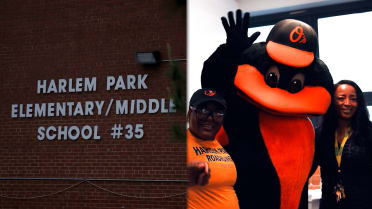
column 292, row 43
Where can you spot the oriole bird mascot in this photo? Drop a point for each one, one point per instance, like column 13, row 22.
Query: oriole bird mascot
column 271, row 88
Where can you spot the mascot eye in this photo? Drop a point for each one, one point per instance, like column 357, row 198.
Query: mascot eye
column 272, row 77
column 297, row 83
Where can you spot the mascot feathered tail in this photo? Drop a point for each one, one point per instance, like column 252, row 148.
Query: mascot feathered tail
column 271, row 88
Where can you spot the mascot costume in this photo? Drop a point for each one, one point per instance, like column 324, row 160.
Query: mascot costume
column 271, row 88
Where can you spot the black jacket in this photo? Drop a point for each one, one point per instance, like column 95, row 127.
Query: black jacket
column 356, row 171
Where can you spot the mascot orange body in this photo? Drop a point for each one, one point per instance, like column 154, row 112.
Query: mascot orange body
column 270, row 88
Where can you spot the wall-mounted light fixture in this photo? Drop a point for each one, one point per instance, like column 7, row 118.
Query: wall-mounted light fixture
column 148, row 58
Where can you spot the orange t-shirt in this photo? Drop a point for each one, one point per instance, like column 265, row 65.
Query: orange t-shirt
column 219, row 192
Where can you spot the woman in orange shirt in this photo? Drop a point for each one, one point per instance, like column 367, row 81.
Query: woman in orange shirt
column 212, row 172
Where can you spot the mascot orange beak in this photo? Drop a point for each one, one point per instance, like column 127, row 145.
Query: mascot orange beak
column 311, row 100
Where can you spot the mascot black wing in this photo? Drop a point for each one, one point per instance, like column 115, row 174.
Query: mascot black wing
column 271, row 88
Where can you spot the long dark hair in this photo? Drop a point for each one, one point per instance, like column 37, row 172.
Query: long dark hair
column 359, row 122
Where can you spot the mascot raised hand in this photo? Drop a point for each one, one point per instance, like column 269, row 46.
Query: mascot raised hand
column 271, row 88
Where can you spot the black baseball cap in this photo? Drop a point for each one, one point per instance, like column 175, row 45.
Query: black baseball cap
column 207, row 95
column 292, row 42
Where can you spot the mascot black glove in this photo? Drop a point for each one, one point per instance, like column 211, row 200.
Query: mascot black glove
column 220, row 68
column 237, row 32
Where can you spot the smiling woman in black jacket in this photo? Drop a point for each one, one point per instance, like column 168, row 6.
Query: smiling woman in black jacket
column 344, row 150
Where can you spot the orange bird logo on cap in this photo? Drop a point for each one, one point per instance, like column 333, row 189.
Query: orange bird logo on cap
column 209, row 92
column 297, row 35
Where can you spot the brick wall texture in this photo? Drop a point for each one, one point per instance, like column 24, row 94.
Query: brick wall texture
column 44, row 40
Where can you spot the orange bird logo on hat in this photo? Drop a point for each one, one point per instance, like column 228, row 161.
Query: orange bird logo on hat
column 209, row 92
column 299, row 31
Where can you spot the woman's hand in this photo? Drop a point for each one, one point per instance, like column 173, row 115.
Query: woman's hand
column 199, row 173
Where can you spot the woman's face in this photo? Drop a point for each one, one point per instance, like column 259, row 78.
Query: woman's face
column 346, row 101
column 206, row 120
